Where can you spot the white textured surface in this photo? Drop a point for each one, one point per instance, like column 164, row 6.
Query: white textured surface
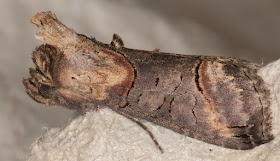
column 105, row 135
column 271, row 75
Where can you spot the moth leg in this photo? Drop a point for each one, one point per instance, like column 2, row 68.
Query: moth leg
column 143, row 127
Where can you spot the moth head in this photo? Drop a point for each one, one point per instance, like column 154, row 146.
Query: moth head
column 56, row 81
column 41, row 86
column 73, row 70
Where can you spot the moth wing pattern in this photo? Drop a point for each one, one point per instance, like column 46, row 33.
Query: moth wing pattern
column 214, row 99
column 217, row 100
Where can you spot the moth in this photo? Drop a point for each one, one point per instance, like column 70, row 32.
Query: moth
column 217, row 100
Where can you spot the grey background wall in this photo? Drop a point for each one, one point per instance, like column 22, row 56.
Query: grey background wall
column 248, row 30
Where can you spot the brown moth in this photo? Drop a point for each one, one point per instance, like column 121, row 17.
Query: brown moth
column 218, row 100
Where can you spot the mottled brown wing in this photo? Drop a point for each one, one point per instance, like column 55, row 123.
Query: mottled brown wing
column 217, row 100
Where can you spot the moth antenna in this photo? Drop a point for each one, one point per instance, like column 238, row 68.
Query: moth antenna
column 143, row 127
